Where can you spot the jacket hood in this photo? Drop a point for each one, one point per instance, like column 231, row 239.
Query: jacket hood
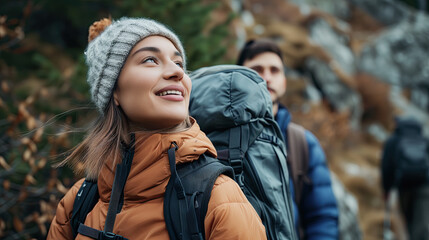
column 150, row 170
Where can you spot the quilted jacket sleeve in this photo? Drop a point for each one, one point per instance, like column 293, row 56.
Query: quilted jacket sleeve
column 319, row 212
column 60, row 226
column 230, row 215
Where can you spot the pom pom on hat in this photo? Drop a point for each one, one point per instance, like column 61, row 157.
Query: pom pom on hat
column 110, row 42
column 98, row 27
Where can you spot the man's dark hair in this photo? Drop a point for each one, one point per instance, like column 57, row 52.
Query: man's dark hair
column 256, row 47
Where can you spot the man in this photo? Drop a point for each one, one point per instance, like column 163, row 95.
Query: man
column 405, row 167
column 317, row 216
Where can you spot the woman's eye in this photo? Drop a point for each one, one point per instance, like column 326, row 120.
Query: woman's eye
column 149, row 60
column 180, row 64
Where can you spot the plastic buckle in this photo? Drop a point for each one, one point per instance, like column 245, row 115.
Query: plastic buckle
column 197, row 236
column 237, row 165
column 109, row 236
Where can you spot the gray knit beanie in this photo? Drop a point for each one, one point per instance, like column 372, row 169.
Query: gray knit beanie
column 107, row 52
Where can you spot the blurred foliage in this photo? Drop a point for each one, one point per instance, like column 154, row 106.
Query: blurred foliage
column 43, row 91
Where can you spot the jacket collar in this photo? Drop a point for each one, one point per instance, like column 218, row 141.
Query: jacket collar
column 283, row 117
column 150, row 170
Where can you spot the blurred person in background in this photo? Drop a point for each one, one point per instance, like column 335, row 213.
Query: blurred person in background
column 405, row 167
column 316, row 212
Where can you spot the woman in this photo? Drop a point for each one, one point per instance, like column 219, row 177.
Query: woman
column 138, row 80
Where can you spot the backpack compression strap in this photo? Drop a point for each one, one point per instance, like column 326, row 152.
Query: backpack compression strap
column 238, row 145
column 298, row 158
column 187, row 215
column 121, row 175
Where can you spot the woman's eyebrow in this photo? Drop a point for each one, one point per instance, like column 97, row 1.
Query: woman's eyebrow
column 150, row 49
column 154, row 49
column 177, row 53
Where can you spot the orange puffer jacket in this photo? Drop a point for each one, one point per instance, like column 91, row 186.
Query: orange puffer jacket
column 229, row 214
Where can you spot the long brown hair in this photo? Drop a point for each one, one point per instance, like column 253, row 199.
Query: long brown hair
column 103, row 142
column 106, row 137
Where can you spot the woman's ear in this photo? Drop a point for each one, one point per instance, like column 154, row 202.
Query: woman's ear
column 115, row 98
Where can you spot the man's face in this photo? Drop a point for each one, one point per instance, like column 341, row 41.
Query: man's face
column 270, row 67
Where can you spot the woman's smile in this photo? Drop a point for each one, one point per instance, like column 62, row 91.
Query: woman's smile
column 171, row 93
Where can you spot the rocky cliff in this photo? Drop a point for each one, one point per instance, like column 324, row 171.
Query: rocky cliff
column 352, row 67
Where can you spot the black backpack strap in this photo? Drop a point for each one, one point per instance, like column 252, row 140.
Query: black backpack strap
column 235, row 153
column 85, row 200
column 97, row 234
column 181, row 195
column 188, row 193
column 111, row 215
column 121, row 175
column 116, row 199
column 239, row 142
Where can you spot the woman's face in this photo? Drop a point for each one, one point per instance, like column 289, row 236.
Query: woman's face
column 153, row 89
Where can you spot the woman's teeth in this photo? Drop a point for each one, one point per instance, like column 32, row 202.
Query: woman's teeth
column 170, row 92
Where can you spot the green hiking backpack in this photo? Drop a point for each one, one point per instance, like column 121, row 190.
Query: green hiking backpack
column 233, row 107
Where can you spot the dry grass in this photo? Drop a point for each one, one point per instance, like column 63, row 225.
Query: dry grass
column 375, row 98
column 366, row 187
column 353, row 156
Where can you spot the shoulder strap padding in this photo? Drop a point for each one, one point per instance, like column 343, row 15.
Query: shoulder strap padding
column 197, row 177
column 85, row 200
column 207, row 169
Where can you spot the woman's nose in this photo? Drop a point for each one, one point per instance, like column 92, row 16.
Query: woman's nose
column 173, row 71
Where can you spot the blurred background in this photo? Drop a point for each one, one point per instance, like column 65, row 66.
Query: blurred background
column 352, row 66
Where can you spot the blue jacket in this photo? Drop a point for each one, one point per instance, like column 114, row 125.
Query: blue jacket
column 318, row 215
